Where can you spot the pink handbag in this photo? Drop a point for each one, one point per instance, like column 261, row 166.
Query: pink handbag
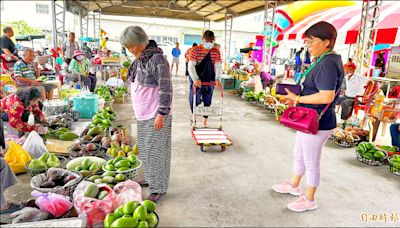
column 303, row 119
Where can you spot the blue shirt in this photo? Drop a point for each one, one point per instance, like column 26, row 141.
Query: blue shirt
column 176, row 52
column 326, row 75
column 298, row 59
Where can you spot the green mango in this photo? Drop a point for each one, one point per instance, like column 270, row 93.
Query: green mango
column 132, row 158
column 98, row 181
column 37, row 165
column 108, row 179
column 150, row 205
column 117, row 159
column 143, row 224
column 130, row 207
column 119, row 211
column 108, row 173
column 379, row 155
column 93, row 166
column 78, row 168
column 86, row 164
column 152, row 220
column 124, row 222
column 102, row 195
column 94, row 177
column 123, row 169
column 68, row 136
column 122, row 163
column 95, row 131
column 109, row 168
column 140, row 213
column 110, row 218
column 120, row 177
column 91, row 191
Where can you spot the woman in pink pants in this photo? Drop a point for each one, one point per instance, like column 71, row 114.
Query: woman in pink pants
column 319, row 84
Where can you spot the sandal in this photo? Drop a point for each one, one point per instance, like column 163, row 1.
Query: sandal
column 12, row 208
column 155, row 197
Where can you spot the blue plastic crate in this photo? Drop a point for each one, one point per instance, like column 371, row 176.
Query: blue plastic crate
column 87, row 106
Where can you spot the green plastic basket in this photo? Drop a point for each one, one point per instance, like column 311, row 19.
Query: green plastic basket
column 86, row 106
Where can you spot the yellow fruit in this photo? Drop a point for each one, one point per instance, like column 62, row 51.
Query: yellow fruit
column 127, row 149
column 131, row 152
column 114, row 153
column 123, row 147
column 135, row 149
column 121, row 153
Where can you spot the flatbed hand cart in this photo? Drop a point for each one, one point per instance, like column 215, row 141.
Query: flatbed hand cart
column 209, row 136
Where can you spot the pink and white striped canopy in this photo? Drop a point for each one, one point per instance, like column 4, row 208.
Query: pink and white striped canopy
column 347, row 22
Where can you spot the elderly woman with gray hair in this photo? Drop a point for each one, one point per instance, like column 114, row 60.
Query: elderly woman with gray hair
column 151, row 90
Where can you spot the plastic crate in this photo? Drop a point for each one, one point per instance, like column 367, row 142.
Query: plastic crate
column 66, row 93
column 228, row 83
column 87, row 106
column 237, row 84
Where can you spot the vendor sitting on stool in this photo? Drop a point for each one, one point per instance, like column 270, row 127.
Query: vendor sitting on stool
column 25, row 74
column 354, row 85
column 80, row 65
column 395, row 133
column 20, row 105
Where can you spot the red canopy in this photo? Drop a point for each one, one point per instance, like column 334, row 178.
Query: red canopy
column 347, row 22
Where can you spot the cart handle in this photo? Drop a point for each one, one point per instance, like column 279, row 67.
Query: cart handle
column 209, row 84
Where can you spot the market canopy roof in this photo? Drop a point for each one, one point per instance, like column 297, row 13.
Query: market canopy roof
column 198, row 10
column 347, row 22
column 29, row 37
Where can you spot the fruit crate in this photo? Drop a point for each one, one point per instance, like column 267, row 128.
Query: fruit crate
column 35, row 172
column 86, row 106
column 131, row 174
column 393, row 167
column 369, row 161
column 228, row 83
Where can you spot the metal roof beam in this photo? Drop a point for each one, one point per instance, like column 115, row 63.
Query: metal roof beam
column 225, row 7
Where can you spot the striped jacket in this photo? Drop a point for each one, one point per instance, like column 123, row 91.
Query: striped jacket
column 152, row 70
column 22, row 69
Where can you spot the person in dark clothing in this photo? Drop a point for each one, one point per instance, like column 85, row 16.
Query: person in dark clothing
column 395, row 133
column 152, row 43
column 298, row 60
column 380, row 64
column 7, row 46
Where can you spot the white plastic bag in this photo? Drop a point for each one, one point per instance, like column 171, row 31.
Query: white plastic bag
column 114, row 82
column 34, row 145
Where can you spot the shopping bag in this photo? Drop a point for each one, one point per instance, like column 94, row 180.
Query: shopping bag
column 34, row 145
column 55, row 204
column 94, row 209
column 127, row 191
column 17, row 157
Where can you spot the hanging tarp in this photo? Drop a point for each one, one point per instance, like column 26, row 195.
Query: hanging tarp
column 29, row 37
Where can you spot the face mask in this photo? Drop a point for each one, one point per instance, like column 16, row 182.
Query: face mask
column 79, row 58
column 208, row 45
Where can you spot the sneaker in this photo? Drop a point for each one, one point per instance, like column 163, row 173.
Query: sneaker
column 302, row 204
column 285, row 187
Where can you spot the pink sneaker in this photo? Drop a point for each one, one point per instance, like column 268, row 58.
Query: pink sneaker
column 302, row 204
column 285, row 187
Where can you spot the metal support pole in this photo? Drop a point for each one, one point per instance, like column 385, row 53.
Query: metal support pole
column 96, row 22
column 269, row 28
column 58, row 21
column 207, row 25
column 228, row 39
column 367, row 36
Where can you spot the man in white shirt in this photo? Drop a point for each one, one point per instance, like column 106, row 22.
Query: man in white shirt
column 354, row 87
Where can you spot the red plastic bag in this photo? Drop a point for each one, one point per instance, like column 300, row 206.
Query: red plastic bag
column 127, row 191
column 55, row 204
column 95, row 209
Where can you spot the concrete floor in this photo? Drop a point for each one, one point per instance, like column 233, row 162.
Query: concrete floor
column 233, row 188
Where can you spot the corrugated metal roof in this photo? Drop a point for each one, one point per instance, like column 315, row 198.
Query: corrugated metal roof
column 198, row 10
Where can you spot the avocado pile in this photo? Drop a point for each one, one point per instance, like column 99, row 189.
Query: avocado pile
column 133, row 214
column 370, row 152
